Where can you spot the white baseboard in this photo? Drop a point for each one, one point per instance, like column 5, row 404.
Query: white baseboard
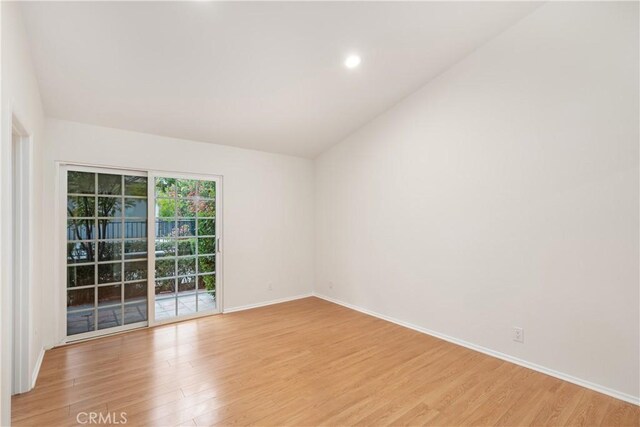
column 566, row 377
column 36, row 369
column 262, row 304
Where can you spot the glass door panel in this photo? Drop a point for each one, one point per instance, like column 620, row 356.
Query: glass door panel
column 185, row 247
column 106, row 251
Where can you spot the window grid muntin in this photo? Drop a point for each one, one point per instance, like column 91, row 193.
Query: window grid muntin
column 175, row 219
column 122, row 219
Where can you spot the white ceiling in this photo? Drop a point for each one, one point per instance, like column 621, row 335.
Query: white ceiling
column 266, row 76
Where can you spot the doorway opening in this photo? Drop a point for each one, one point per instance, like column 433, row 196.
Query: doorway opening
column 21, row 247
column 141, row 248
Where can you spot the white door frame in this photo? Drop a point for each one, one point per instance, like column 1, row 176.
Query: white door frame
column 62, row 167
column 22, row 244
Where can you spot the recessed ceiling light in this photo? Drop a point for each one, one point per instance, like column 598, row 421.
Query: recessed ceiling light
column 352, row 61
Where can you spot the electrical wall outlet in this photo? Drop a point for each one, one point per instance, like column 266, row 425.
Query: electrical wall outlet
column 270, row 286
column 518, row 334
column 330, row 285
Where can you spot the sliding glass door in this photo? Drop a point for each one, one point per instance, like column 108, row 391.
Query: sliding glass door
column 106, row 261
column 120, row 273
column 185, row 247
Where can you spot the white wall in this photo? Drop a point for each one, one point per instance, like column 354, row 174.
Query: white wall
column 267, row 200
column 20, row 97
column 503, row 193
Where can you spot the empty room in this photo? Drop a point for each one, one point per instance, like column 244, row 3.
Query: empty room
column 420, row 213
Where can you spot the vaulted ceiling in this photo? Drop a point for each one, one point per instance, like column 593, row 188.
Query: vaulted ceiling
column 260, row 75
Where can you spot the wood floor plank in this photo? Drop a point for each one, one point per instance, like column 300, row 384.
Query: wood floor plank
column 305, row 362
column 592, row 407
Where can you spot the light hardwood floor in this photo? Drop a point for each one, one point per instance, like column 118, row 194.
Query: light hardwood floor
column 305, row 362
